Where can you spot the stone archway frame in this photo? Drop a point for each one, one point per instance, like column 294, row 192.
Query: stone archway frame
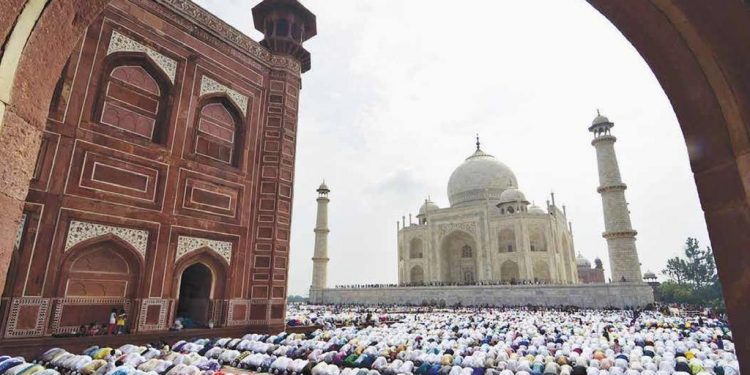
column 211, row 86
column 121, row 43
column 462, row 229
column 697, row 50
column 80, row 231
column 220, row 270
column 189, row 244
column 130, row 253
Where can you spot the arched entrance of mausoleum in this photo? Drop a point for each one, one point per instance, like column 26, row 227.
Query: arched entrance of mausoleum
column 509, row 272
column 416, row 275
column 458, row 258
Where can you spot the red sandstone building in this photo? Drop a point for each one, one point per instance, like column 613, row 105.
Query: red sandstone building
column 164, row 181
column 588, row 274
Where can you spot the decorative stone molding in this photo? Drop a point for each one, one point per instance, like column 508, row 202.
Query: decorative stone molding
column 19, row 232
column 79, row 231
column 16, row 306
column 470, row 227
column 230, row 35
column 615, row 187
column 232, row 304
column 162, row 320
column 623, row 234
column 121, row 43
column 210, row 86
column 186, row 245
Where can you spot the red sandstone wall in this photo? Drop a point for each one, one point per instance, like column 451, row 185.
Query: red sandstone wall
column 100, row 170
column 590, row 275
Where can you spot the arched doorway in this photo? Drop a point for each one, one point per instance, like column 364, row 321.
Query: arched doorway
column 541, row 272
column 415, row 249
column 194, row 301
column 458, row 258
column 416, row 276
column 509, row 271
column 97, row 276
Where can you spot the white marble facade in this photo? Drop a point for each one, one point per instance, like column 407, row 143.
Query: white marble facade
column 490, row 233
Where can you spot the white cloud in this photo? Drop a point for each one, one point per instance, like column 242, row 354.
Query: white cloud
column 398, row 89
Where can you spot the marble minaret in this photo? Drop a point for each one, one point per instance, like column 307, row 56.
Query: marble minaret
column 320, row 257
column 619, row 233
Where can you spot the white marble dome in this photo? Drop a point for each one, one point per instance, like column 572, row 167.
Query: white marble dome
column 536, row 210
column 512, row 195
column 480, row 177
column 428, row 205
column 600, row 119
column 581, row 261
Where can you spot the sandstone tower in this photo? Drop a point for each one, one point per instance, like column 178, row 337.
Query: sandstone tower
column 619, row 233
column 320, row 257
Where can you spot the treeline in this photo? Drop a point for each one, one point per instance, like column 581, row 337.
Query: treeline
column 692, row 278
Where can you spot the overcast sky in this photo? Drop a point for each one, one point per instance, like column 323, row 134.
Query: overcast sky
column 398, row 89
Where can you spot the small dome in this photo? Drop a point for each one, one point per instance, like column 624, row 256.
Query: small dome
column 479, row 178
column 598, row 263
column 323, row 187
column 512, row 195
column 428, row 205
column 581, row 261
column 600, row 119
column 649, row 275
column 536, row 210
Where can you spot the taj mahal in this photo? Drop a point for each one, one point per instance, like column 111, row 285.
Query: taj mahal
column 492, row 246
column 490, row 232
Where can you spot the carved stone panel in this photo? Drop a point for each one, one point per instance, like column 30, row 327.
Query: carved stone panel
column 121, row 43
column 80, row 231
column 187, row 244
column 210, row 86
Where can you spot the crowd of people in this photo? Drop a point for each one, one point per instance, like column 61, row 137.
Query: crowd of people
column 357, row 340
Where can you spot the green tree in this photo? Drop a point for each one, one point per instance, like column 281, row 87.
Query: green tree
column 692, row 277
column 672, row 292
column 696, row 268
column 676, row 270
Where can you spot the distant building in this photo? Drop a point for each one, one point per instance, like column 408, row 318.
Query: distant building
column 490, row 233
column 650, row 278
column 587, row 274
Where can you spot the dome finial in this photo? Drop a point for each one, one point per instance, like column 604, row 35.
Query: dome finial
column 597, row 112
column 477, row 141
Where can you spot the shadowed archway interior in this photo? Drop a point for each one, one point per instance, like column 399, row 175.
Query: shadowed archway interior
column 194, row 301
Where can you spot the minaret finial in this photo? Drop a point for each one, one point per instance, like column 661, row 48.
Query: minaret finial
column 597, row 112
column 477, row 141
